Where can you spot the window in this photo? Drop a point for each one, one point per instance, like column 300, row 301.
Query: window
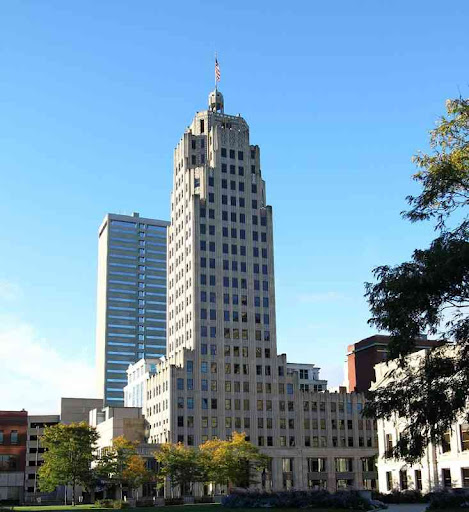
column 388, row 442
column 446, row 442
column 446, row 477
column 464, row 477
column 8, row 462
column 316, row 465
column 389, row 480
column 403, row 483
column 464, row 429
column 343, row 465
column 368, row 464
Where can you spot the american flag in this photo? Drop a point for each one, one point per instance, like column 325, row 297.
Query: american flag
column 217, row 71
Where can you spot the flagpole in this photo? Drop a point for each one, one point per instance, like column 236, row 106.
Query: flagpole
column 216, row 82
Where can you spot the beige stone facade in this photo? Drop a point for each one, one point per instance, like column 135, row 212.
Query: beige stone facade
column 222, row 372
column 76, row 410
column 442, row 466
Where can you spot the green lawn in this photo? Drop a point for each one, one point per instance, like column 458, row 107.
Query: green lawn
column 207, row 507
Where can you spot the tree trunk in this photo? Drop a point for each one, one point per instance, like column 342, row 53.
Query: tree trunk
column 74, row 485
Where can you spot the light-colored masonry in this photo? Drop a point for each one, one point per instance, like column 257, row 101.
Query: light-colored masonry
column 443, row 465
column 222, row 372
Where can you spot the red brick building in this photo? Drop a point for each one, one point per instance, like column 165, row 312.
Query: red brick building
column 13, row 435
column 365, row 354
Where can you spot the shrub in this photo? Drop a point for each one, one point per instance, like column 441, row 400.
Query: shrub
column 297, row 499
column 456, row 498
column 145, row 503
column 103, row 503
column 174, row 501
column 401, row 497
column 204, row 499
column 119, row 504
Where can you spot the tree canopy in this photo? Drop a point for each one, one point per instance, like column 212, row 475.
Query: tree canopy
column 121, row 464
column 235, row 462
column 68, row 456
column 232, row 462
column 429, row 294
column 182, row 464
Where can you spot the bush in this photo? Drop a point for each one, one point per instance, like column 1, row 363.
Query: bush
column 119, row 504
column 401, row 497
column 147, row 502
column 103, row 503
column 456, row 498
column 174, row 501
column 204, row 499
column 297, row 499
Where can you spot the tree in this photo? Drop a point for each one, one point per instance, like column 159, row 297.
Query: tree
column 68, row 456
column 135, row 472
column 121, row 464
column 235, row 462
column 429, row 294
column 182, row 464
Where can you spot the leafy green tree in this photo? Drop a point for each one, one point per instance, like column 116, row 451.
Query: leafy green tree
column 121, row 464
column 235, row 462
column 429, row 293
column 68, row 457
column 182, row 464
column 136, row 473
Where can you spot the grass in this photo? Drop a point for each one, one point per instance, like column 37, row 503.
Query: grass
column 206, row 507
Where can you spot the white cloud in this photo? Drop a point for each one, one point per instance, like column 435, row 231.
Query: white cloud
column 321, row 297
column 34, row 376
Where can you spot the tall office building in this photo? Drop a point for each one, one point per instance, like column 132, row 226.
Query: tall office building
column 131, row 301
column 222, row 372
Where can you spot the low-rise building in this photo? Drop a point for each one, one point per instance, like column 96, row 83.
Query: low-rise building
column 364, row 355
column 315, row 439
column 442, row 466
column 308, row 376
column 35, row 458
column 137, row 376
column 13, row 428
column 77, row 410
column 128, row 422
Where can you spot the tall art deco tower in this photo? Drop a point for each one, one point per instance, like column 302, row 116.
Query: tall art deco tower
column 220, row 255
column 221, row 293
column 221, row 372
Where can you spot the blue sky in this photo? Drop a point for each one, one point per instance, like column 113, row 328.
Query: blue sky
column 95, row 95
